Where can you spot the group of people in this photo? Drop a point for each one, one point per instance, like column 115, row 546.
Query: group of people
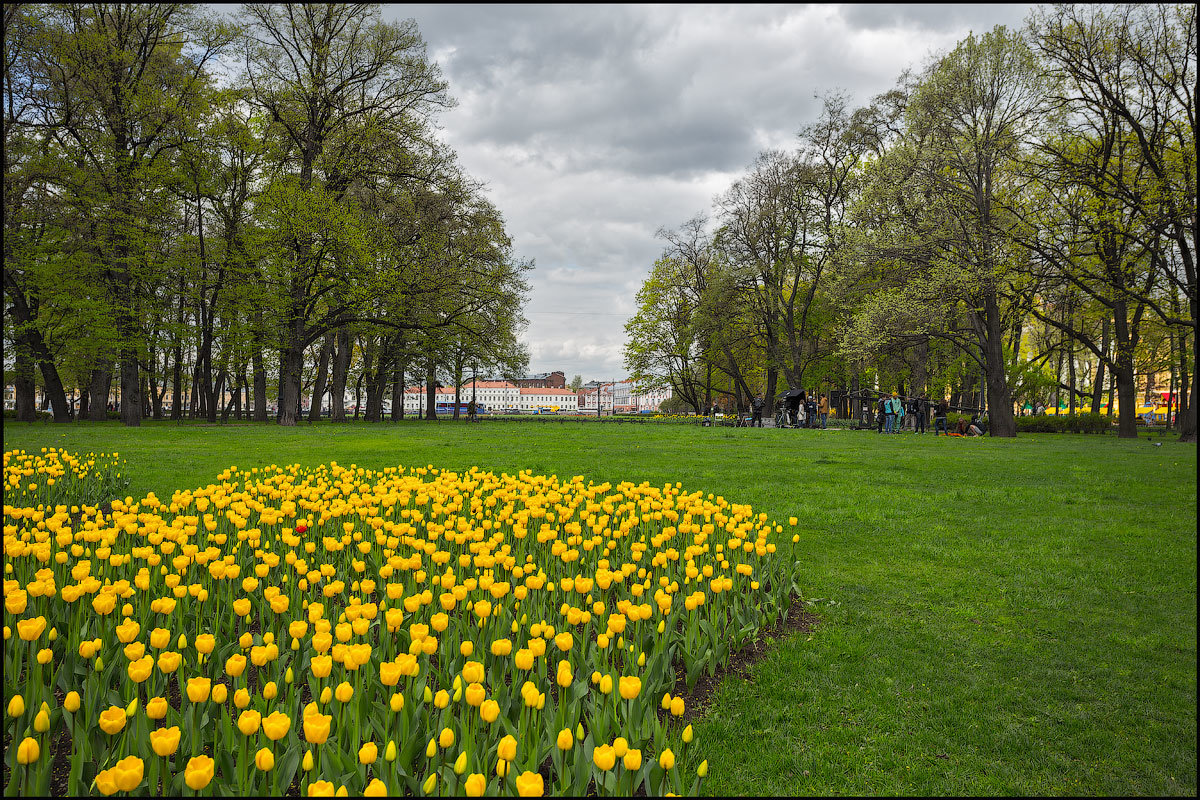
column 810, row 411
column 895, row 413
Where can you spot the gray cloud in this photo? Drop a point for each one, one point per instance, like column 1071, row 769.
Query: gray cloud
column 594, row 126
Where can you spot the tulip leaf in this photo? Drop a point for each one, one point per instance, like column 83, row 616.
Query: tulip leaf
column 225, row 763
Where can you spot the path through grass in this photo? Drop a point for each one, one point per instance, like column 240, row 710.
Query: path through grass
column 998, row 617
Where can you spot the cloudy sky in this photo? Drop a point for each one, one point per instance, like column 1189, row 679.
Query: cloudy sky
column 595, row 126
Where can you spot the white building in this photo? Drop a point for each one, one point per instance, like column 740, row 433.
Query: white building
column 500, row 396
column 621, row 396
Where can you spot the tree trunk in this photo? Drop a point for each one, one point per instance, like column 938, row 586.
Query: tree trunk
column 98, row 390
column 341, row 369
column 1001, row 421
column 314, row 411
column 431, row 390
column 458, row 368
column 1188, row 403
column 398, row 392
column 291, row 366
column 25, row 385
column 772, row 388
column 1098, row 383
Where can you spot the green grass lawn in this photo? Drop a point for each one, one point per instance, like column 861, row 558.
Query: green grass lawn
column 997, row 617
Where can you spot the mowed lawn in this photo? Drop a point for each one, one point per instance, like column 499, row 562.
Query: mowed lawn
column 997, row 617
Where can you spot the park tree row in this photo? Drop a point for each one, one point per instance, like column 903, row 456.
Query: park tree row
column 1013, row 225
column 235, row 213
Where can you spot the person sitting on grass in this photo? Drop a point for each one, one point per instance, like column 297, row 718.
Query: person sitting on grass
column 975, row 427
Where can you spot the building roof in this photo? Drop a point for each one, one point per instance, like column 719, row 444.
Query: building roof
column 535, row 390
column 482, row 384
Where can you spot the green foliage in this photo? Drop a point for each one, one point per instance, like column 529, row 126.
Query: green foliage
column 1065, row 423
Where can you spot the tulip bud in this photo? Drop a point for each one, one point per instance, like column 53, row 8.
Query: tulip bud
column 431, row 749
column 702, row 770
column 71, row 702
column 41, row 723
column 390, row 753
column 132, row 708
column 460, row 763
column 430, row 782
column 687, row 734
column 307, row 763
column 99, row 663
column 16, row 706
column 288, row 676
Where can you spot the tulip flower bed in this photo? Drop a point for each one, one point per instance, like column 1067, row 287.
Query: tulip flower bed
column 371, row 632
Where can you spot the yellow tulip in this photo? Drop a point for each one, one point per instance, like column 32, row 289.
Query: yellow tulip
column 490, row 710
column 264, row 759
column 106, row 782
column 368, row 753
column 620, row 746
column 198, row 689
column 460, row 763
column 666, row 759
column 530, row 784
column 389, row 755
column 41, row 723
column 235, row 665
column 28, row 751
column 630, row 686
column 16, row 706
column 71, row 702
column 276, row 725
column 507, row 749
column 306, row 763
column 604, row 757
column 565, row 740
column 316, row 728
column 633, row 759
column 687, row 734
column 127, row 773
column 165, row 741
column 702, row 770
column 344, row 692
column 30, row 629
column 475, row 785
column 430, row 782
column 169, row 661
column 156, row 708
column 376, row 788
column 198, row 772
column 112, row 720
column 141, row 669
column 248, row 722
column 320, row 789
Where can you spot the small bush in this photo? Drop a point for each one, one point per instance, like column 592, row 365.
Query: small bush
column 1064, row 423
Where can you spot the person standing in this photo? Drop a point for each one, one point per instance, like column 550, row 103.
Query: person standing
column 939, row 417
column 898, row 407
column 920, row 412
column 889, row 413
column 881, row 414
column 823, row 410
column 756, row 405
